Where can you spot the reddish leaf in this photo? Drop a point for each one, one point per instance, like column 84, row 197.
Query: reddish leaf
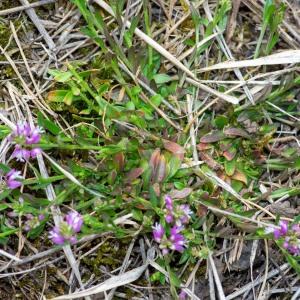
column 180, row 194
column 225, row 145
column 133, row 174
column 174, row 148
column 201, row 211
column 160, row 172
column 154, row 160
column 212, row 137
column 156, row 189
column 203, row 146
column 232, row 132
column 119, row 160
column 209, row 161
column 230, row 154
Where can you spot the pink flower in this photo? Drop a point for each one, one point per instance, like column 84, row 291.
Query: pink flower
column 177, row 240
column 278, row 233
column 182, row 295
column 158, row 232
column 169, row 218
column 24, row 136
column 74, row 220
column 67, row 230
column 185, row 214
column 169, row 202
column 13, row 178
column 41, row 217
column 169, row 209
column 56, row 236
column 296, row 229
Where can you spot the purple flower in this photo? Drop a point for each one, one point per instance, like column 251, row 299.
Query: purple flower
column 73, row 239
column 169, row 203
column 158, row 232
column 182, row 295
column 13, row 178
column 296, row 229
column 169, row 218
column 67, row 230
column 23, row 136
column 41, row 217
column 278, row 233
column 74, row 220
column 35, row 151
column 185, row 212
column 56, row 236
column 165, row 251
column 177, row 240
column 286, row 243
column 294, row 249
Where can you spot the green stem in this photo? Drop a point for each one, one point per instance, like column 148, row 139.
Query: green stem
column 261, row 36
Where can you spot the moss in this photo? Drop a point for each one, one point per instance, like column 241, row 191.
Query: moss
column 107, row 255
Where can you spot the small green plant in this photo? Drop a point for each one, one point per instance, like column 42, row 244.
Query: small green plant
column 272, row 17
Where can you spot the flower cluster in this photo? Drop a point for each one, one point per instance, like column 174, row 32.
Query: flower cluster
column 289, row 234
column 176, row 216
column 67, row 229
column 25, row 137
column 180, row 215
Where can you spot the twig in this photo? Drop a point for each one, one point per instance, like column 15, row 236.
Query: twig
column 257, row 282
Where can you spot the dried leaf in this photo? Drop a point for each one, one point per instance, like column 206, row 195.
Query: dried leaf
column 180, row 194
column 209, row 161
column 239, row 176
column 109, row 284
column 174, row 148
column 232, row 132
column 201, row 211
column 284, row 57
column 203, row 146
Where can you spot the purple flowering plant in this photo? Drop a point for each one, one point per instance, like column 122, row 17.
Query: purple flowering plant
column 13, row 179
column 170, row 233
column 67, row 230
column 25, row 137
column 287, row 235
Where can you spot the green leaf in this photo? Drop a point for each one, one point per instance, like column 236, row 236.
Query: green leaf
column 137, row 214
column 174, row 279
column 57, row 95
column 48, row 124
column 297, row 164
column 173, row 166
column 60, row 76
column 221, row 121
column 230, row 167
column 161, row 78
column 68, row 98
column 4, row 194
column 3, row 206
